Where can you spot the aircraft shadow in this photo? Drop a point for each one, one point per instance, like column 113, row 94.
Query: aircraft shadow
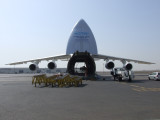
column 126, row 81
column 49, row 86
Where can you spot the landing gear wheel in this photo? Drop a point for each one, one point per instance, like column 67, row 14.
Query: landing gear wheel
column 130, row 79
column 114, row 78
column 120, row 79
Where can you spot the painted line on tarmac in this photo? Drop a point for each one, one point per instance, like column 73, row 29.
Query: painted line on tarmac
column 141, row 88
column 134, row 86
column 145, row 89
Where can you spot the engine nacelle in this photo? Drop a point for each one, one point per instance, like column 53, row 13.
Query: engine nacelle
column 33, row 67
column 109, row 65
column 128, row 66
column 52, row 65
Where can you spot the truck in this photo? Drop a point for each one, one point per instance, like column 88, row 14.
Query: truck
column 122, row 74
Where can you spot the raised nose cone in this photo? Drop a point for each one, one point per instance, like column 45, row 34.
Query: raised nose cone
column 81, row 39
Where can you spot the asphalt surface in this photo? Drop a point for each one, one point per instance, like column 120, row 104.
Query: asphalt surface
column 94, row 100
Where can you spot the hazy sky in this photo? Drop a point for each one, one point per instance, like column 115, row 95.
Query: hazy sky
column 32, row 29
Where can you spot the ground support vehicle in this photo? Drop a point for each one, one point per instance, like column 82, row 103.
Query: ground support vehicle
column 122, row 74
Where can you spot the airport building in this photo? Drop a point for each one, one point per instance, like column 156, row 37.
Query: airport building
column 28, row 71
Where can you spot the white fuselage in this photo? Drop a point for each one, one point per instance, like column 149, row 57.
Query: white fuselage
column 81, row 39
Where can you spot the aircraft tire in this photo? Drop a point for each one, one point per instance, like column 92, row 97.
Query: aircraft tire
column 130, row 79
column 120, row 79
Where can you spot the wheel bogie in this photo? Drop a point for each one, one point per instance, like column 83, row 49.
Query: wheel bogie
column 120, row 79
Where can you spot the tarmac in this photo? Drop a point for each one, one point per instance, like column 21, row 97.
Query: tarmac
column 94, row 100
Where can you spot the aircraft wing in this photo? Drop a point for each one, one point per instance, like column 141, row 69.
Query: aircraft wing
column 105, row 57
column 55, row 58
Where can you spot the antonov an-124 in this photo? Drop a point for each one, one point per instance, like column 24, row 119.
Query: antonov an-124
column 82, row 48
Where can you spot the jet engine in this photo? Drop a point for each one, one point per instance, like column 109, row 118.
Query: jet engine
column 109, row 65
column 128, row 66
column 52, row 65
column 33, row 67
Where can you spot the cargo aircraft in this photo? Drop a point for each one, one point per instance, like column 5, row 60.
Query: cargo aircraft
column 81, row 48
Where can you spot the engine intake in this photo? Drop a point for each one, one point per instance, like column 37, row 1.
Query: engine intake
column 52, row 65
column 33, row 67
column 109, row 65
column 128, row 66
